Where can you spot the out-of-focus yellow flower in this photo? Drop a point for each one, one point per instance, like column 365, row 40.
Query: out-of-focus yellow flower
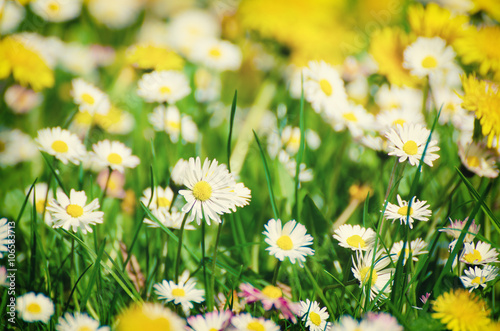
column 491, row 8
column 26, row 65
column 483, row 98
column 480, row 46
column 434, row 21
column 154, row 57
column 23, row 2
column 387, row 47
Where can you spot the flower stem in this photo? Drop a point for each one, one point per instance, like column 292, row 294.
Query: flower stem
column 178, row 259
column 276, row 272
column 214, row 262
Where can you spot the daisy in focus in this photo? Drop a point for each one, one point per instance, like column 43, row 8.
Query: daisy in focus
column 183, row 293
column 408, row 143
column 114, row 154
column 291, row 241
column 211, row 191
column 416, row 247
column 377, row 275
column 428, row 56
column 355, row 237
column 89, row 98
column 34, row 307
column 163, row 86
column 73, row 212
column 216, row 320
column 316, row 318
column 477, row 277
column 245, row 322
column 154, row 315
column 61, row 143
column 79, row 321
column 408, row 213
column 481, row 253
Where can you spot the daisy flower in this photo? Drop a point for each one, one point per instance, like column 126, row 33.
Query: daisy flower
column 183, row 293
column 163, row 86
column 382, row 321
column 56, row 10
column 393, row 98
column 418, row 211
column 316, row 318
column 481, row 253
column 79, row 321
column 290, row 241
column 211, row 191
column 416, row 247
column 455, row 229
column 272, row 296
column 73, row 212
column 154, row 315
column 217, row 54
column 353, row 117
column 161, row 199
column 323, row 87
column 427, row 56
column 61, row 143
column 34, row 307
column 4, row 234
column 17, row 147
column 216, row 320
column 171, row 219
column 178, row 171
column 89, row 98
column 41, row 192
column 115, row 14
column 478, row 159
column 245, row 322
column 170, row 120
column 114, row 154
column 388, row 119
column 408, row 142
column 380, row 275
column 355, row 237
column 477, row 277
column 13, row 14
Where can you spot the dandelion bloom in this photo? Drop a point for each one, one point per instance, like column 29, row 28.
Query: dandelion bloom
column 149, row 316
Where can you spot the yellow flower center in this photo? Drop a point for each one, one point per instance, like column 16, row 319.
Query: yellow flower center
column 215, row 52
column 178, row 292
column 350, row 117
column 399, row 121
column 173, row 125
column 54, row 7
column 272, row 292
column 34, row 308
column 85, row 328
column 114, row 158
column 473, row 161
column 213, row 329
column 410, row 147
column 315, row 318
column 88, row 99
column 403, row 211
column 326, row 87
column 429, row 62
column 60, row 146
column 473, row 257
column 202, row 190
column 478, row 280
column 255, row 326
column 163, row 202
column 74, row 210
column 365, row 275
column 40, row 205
column 285, row 243
column 356, row 241
column 165, row 90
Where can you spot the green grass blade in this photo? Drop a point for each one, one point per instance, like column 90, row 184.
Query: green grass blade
column 231, row 123
column 93, row 276
column 300, row 154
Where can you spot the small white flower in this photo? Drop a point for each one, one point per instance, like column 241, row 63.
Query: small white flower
column 73, row 212
column 163, row 86
column 477, row 277
column 177, row 174
column 13, row 13
column 353, row 117
column 115, row 14
column 245, row 322
column 34, row 307
column 478, row 159
column 427, row 56
column 393, row 97
column 114, row 154
column 316, row 318
column 183, row 293
column 215, row 320
column 291, row 241
column 416, row 247
column 380, row 276
column 162, row 198
column 172, row 219
column 481, row 253
column 78, row 322
column 56, row 10
column 61, row 143
column 170, row 120
column 355, row 237
column 418, row 211
column 89, row 98
column 388, row 119
column 217, row 54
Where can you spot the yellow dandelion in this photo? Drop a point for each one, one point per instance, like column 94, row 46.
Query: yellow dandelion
column 483, row 98
column 154, row 57
column 434, row 21
column 26, row 65
column 149, row 316
column 460, row 310
column 479, row 46
column 387, row 47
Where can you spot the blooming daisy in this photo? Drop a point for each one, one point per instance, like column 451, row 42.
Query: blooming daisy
column 451, row 111
column 154, row 315
column 73, row 211
column 418, row 211
column 478, row 159
column 416, row 247
column 347, row 323
column 481, row 253
column 116, row 121
column 290, row 164
column 323, row 87
column 78, row 321
column 428, row 56
column 290, row 241
column 316, row 318
column 183, row 293
column 34, row 307
column 61, row 143
column 245, row 322
column 290, row 139
column 211, row 191
column 12, row 14
column 163, row 86
column 217, row 54
column 461, row 310
column 272, row 296
column 382, row 321
column 115, row 14
column 355, row 237
column 477, row 277
column 89, row 98
column 353, row 117
column 408, row 142
column 388, row 119
column 114, row 154
column 162, row 198
column 171, row 219
column 16, row 147
column 56, row 10
column 380, row 276
column 170, row 120
column 216, row 320
column 41, row 192
column 177, row 173
column 455, row 229
column 394, row 97
column 4, row 234
column 208, row 85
